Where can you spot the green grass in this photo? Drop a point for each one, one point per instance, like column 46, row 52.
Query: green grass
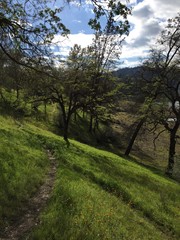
column 23, row 165
column 97, row 194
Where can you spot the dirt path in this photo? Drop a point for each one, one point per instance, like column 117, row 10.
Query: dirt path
column 31, row 214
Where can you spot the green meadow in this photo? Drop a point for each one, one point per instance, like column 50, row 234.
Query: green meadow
column 97, row 194
column 23, row 165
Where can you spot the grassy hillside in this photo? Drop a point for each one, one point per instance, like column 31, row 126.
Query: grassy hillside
column 23, row 165
column 147, row 151
column 97, row 194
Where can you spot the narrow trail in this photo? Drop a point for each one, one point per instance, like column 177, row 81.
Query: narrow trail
column 30, row 218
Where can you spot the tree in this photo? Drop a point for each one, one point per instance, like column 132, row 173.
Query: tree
column 105, row 52
column 164, row 84
column 86, row 81
column 148, row 90
column 72, row 90
column 169, row 77
column 15, row 75
column 67, row 86
column 29, row 27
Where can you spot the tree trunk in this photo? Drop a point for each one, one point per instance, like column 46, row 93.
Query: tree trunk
column 65, row 134
column 91, row 124
column 133, row 138
column 96, row 125
column 2, row 97
column 172, row 147
column 45, row 110
column 66, row 116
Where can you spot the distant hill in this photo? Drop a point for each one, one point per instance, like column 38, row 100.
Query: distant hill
column 131, row 77
column 127, row 72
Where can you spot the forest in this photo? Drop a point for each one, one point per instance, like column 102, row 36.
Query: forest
column 98, row 135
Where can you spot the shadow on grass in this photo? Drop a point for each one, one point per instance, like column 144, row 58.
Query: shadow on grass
column 116, row 180
column 121, row 192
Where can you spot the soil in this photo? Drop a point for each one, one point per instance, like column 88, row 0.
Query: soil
column 30, row 217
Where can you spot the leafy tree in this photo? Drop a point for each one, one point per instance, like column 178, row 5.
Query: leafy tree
column 105, row 51
column 15, row 75
column 164, row 85
column 166, row 61
column 67, row 86
column 3, row 75
column 72, row 89
column 148, row 90
column 29, row 27
column 87, row 82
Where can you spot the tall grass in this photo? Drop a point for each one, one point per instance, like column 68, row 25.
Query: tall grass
column 99, row 195
column 23, row 165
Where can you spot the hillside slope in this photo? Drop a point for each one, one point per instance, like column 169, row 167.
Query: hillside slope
column 23, row 165
column 97, row 194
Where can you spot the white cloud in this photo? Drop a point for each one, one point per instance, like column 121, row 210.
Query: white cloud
column 77, row 21
column 129, row 63
column 75, row 3
column 140, row 52
column 65, row 43
column 164, row 8
column 143, row 11
column 148, row 19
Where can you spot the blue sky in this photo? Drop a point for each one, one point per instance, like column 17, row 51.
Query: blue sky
column 147, row 20
column 76, row 19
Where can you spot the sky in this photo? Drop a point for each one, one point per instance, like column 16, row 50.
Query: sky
column 147, row 20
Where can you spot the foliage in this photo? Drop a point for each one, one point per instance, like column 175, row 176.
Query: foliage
column 108, row 36
column 84, row 81
column 104, row 52
column 161, row 87
column 165, row 84
column 29, row 28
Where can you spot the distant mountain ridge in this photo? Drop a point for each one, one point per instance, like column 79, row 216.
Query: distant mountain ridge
column 127, row 72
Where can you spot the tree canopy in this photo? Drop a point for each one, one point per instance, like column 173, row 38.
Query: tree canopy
column 29, row 27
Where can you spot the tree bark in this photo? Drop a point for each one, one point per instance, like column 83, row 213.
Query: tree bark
column 133, row 138
column 17, row 93
column 96, row 125
column 65, row 134
column 66, row 119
